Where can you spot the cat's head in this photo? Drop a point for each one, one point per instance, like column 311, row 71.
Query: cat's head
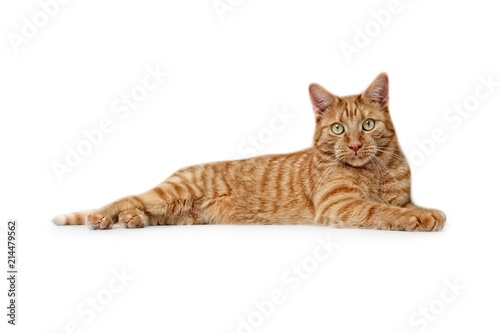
column 353, row 129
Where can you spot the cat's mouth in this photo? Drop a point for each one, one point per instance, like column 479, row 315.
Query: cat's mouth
column 357, row 159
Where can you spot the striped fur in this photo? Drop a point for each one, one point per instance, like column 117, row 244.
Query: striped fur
column 355, row 179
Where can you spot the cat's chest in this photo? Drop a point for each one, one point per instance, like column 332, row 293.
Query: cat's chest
column 369, row 182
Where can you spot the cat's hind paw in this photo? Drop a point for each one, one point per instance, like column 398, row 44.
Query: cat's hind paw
column 133, row 218
column 96, row 221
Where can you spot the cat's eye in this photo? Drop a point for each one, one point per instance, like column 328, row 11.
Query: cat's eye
column 369, row 124
column 338, row 128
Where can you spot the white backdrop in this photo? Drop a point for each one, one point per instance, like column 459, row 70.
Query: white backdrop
column 143, row 88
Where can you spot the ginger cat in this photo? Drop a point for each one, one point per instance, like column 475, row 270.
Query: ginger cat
column 354, row 176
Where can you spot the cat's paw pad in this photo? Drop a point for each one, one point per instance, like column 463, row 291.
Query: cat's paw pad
column 427, row 220
column 98, row 221
column 134, row 218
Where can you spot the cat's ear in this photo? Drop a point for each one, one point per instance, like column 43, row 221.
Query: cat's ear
column 378, row 91
column 321, row 98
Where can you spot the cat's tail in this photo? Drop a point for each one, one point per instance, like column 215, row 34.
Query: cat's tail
column 77, row 218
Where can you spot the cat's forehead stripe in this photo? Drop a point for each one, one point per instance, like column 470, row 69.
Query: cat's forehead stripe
column 350, row 108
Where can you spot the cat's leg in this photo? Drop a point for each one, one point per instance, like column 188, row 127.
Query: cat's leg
column 134, row 218
column 174, row 201
column 194, row 195
column 223, row 210
column 396, row 192
column 441, row 216
column 105, row 217
column 343, row 207
column 349, row 211
column 358, row 213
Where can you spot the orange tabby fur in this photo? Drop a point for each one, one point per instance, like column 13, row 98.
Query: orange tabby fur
column 355, row 179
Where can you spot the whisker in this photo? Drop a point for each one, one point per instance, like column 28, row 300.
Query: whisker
column 390, row 153
column 399, row 184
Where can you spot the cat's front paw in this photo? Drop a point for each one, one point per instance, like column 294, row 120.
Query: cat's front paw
column 426, row 220
column 98, row 221
column 133, row 218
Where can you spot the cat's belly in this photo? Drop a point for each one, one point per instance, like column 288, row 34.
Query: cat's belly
column 258, row 208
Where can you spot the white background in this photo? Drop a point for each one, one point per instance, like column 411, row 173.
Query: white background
column 226, row 76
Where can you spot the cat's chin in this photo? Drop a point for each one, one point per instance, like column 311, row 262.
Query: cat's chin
column 357, row 161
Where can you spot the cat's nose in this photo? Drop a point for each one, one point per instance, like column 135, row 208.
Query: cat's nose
column 355, row 147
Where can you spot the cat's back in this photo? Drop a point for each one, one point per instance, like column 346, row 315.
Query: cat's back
column 260, row 174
